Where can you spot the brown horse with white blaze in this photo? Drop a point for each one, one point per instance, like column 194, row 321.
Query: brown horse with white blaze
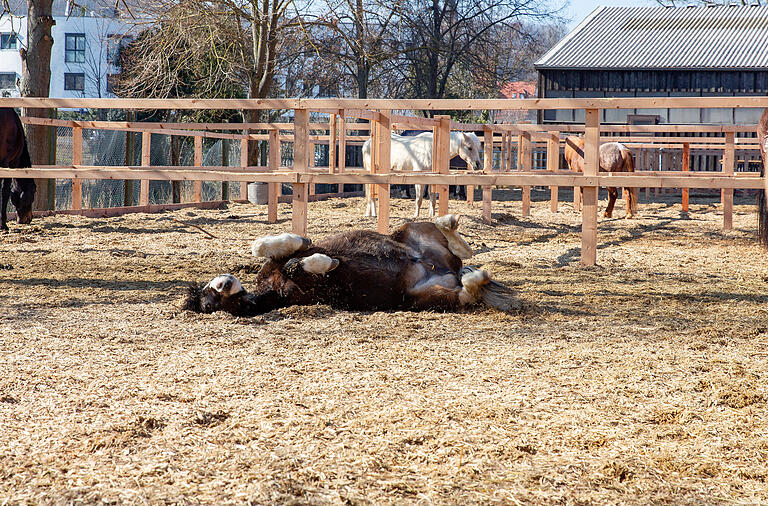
column 614, row 157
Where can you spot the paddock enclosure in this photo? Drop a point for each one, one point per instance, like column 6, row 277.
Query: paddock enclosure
column 638, row 377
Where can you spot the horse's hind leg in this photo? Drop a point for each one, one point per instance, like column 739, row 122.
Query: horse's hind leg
column 449, row 225
column 432, row 201
column 5, row 195
column 613, row 194
column 370, row 200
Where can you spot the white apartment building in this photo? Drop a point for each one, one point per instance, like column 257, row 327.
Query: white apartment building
column 86, row 41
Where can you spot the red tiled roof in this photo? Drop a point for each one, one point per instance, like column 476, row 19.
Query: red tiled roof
column 513, row 89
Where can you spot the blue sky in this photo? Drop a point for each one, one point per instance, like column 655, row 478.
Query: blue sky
column 579, row 9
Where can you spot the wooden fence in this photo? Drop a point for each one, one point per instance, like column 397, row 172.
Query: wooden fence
column 502, row 140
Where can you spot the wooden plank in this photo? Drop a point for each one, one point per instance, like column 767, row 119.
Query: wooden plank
column 146, row 145
column 273, row 163
column 300, row 164
column 311, row 153
column 77, row 159
column 729, row 160
column 393, row 104
column 384, row 138
column 244, row 165
column 332, row 145
column 525, row 155
column 686, row 168
column 342, row 141
column 197, row 191
column 591, row 164
column 488, row 168
column 442, row 159
column 553, row 164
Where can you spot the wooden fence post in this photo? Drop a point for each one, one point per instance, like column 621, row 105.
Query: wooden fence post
column 197, row 193
column 487, row 168
column 77, row 159
column 300, row 164
column 729, row 160
column 553, row 164
column 129, row 147
column 311, row 164
column 525, row 157
column 225, row 163
column 243, row 165
column 342, row 156
column 686, row 168
column 442, row 159
column 274, row 164
column 384, row 138
column 146, row 146
column 332, row 145
column 591, row 163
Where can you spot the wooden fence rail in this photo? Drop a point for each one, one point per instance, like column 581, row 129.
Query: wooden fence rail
column 510, row 142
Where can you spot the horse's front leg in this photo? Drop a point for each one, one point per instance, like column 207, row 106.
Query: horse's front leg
column 419, row 199
column 432, row 201
column 613, row 194
column 5, row 195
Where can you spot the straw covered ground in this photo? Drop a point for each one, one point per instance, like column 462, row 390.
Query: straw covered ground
column 643, row 380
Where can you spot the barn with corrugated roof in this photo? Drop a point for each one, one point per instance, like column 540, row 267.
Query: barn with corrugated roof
column 660, row 52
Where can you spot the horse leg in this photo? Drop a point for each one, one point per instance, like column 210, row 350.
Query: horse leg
column 5, row 189
column 631, row 201
column 432, row 202
column 370, row 200
column 445, row 291
column 419, row 199
column 613, row 194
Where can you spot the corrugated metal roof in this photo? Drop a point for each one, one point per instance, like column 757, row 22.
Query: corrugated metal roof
column 706, row 38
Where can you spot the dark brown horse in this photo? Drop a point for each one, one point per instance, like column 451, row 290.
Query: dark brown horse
column 614, row 157
column 14, row 155
column 762, row 197
column 417, row 267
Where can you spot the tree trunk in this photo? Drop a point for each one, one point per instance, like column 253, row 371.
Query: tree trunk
column 35, row 82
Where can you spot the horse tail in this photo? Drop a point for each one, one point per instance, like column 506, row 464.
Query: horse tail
column 762, row 213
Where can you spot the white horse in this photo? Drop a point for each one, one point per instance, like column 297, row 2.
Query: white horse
column 414, row 153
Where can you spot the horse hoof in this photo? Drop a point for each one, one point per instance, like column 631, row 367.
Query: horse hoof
column 629, row 216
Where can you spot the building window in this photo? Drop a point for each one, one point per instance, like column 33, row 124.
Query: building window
column 74, row 48
column 7, row 80
column 74, row 81
column 8, row 41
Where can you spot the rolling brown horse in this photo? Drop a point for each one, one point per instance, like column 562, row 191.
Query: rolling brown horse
column 614, row 157
column 417, row 267
column 762, row 212
column 14, row 155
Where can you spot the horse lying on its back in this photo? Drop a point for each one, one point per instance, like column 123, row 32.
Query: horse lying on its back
column 419, row 266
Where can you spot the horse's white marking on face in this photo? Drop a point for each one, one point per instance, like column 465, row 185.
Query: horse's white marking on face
column 226, row 284
column 319, row 264
column 765, row 145
column 279, row 246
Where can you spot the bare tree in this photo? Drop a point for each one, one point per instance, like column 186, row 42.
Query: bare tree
column 473, row 37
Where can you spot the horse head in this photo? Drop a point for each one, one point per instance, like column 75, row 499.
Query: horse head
column 468, row 148
column 22, row 197
column 221, row 293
